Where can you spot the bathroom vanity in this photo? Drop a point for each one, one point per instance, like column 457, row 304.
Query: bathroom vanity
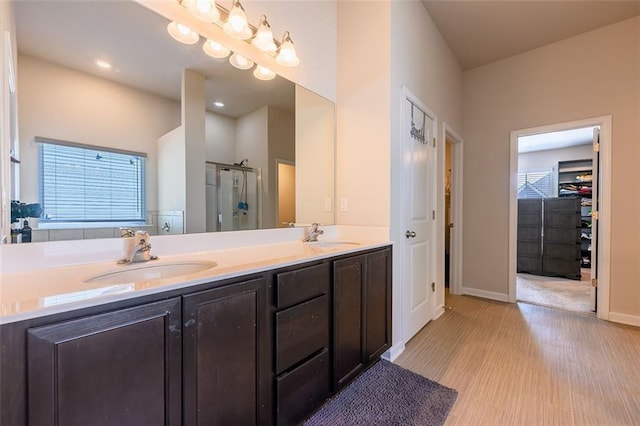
column 267, row 346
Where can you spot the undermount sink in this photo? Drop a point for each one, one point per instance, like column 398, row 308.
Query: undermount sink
column 149, row 272
column 332, row 244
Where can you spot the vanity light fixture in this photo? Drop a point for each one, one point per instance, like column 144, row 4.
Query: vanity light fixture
column 263, row 73
column 215, row 49
column 182, row 33
column 287, row 56
column 240, row 62
column 263, row 40
column 237, row 25
column 103, row 64
column 205, row 10
column 234, row 23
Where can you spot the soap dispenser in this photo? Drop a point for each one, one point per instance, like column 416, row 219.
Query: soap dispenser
column 26, row 232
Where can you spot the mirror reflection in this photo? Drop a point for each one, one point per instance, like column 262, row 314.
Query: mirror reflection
column 175, row 140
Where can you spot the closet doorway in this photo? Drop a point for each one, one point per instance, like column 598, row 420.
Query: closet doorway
column 558, row 196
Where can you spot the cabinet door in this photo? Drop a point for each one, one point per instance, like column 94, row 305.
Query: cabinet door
column 224, row 355
column 117, row 368
column 377, row 305
column 347, row 320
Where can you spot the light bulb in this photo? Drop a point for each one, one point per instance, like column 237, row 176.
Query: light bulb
column 236, row 25
column 264, row 37
column 263, row 73
column 287, row 55
column 205, row 10
column 182, row 33
column 240, row 62
column 215, row 49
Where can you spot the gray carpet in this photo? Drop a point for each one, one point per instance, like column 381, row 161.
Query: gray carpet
column 387, row 394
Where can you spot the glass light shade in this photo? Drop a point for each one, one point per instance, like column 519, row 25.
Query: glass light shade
column 182, row 33
column 287, row 55
column 240, row 62
column 262, row 73
column 237, row 25
column 215, row 49
column 205, row 10
column 263, row 39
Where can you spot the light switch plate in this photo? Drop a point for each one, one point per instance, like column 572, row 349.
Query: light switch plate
column 344, row 204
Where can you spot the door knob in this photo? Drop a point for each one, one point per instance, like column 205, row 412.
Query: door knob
column 410, row 234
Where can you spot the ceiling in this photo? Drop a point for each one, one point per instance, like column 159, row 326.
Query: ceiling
column 483, row 31
column 555, row 140
column 135, row 40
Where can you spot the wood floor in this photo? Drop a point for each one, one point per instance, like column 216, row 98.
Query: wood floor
column 522, row 364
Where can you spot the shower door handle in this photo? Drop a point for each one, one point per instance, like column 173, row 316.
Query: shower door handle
column 410, row 234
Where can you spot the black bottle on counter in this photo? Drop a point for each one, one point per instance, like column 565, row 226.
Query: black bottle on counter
column 26, row 232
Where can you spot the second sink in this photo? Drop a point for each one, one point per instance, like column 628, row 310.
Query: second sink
column 149, row 272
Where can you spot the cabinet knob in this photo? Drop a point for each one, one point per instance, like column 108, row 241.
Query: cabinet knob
column 410, row 234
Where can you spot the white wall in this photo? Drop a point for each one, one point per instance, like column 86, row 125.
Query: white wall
column 220, row 136
column 433, row 74
column 315, row 130
column 363, row 113
column 59, row 103
column 193, row 124
column 377, row 56
column 589, row 75
column 252, row 142
column 171, row 171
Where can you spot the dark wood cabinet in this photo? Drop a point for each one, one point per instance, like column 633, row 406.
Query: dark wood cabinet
column 225, row 343
column 261, row 349
column 347, row 319
column 362, row 314
column 301, row 342
column 377, row 305
column 117, row 368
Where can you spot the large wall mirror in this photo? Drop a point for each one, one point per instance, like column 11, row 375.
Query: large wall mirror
column 263, row 160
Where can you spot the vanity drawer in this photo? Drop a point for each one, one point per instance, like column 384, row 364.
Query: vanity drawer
column 302, row 284
column 302, row 390
column 301, row 331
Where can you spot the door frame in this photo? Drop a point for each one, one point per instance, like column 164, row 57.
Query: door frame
column 277, row 188
column 603, row 258
column 455, row 250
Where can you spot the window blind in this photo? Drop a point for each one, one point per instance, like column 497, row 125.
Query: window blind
column 79, row 183
column 535, row 184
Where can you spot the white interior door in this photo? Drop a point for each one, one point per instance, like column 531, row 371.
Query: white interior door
column 419, row 187
column 594, row 216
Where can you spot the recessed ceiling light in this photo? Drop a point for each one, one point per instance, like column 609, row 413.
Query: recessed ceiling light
column 103, row 64
column 218, row 104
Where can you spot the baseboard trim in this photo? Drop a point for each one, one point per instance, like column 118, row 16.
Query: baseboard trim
column 501, row 297
column 439, row 312
column 394, row 352
column 624, row 318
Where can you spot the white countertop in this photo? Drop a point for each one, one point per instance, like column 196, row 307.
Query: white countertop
column 28, row 292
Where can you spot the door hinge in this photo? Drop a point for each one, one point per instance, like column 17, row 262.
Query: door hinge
column 594, row 282
column 594, row 215
column 596, row 147
column 434, row 141
column 433, row 287
column 433, row 214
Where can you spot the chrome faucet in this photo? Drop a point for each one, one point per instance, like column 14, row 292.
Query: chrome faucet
column 313, row 234
column 141, row 249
